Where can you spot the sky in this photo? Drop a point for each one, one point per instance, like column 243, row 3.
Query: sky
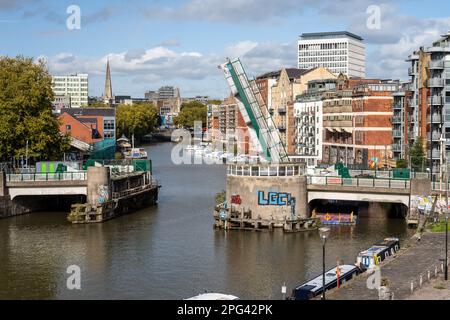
column 181, row 42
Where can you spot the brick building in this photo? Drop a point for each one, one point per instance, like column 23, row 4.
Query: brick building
column 357, row 122
column 279, row 90
column 89, row 125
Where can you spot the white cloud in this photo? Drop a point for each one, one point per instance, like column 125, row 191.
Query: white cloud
column 388, row 59
column 160, row 65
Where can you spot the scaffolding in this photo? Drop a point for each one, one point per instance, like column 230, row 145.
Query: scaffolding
column 263, row 133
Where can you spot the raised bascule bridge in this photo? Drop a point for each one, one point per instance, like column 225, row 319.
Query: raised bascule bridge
column 279, row 192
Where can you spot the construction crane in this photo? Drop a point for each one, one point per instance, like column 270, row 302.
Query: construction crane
column 263, row 133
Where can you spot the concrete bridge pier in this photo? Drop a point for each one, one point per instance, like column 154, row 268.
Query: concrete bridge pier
column 98, row 185
column 3, row 190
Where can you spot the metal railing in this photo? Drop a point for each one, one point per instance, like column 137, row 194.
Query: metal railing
column 437, row 118
column 359, row 182
column 439, row 186
column 266, row 171
column 120, row 194
column 397, row 133
column 436, row 82
column 63, row 176
column 439, row 64
column 386, row 174
column 397, row 119
column 436, row 100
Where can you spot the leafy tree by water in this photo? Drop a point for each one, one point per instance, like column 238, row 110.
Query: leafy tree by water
column 418, row 160
column 402, row 163
column 138, row 119
column 191, row 112
column 26, row 97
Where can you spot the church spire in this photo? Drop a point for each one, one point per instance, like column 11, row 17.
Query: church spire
column 108, row 96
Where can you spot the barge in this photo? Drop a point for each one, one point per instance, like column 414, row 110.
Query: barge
column 365, row 260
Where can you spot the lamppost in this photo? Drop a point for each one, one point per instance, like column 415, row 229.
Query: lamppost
column 323, row 233
column 446, row 246
column 446, row 221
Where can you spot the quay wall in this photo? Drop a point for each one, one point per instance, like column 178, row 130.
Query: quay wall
column 272, row 198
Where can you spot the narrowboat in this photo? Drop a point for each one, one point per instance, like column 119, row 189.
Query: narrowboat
column 378, row 252
column 314, row 287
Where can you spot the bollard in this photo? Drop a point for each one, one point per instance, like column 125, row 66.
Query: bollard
column 442, row 267
column 412, row 286
column 435, row 272
column 420, row 281
column 429, row 275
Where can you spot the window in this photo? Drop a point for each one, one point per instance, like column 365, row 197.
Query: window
column 108, row 125
column 108, row 134
column 68, row 127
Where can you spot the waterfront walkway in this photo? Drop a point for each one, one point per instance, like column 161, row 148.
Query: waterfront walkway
column 415, row 259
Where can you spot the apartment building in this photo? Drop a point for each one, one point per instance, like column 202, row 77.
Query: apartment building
column 75, row 86
column 357, row 122
column 308, row 113
column 340, row 52
column 403, row 122
column 167, row 100
column 419, row 73
column 279, row 89
column 438, row 113
column 89, row 125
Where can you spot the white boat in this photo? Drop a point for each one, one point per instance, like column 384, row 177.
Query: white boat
column 213, row 296
column 136, row 153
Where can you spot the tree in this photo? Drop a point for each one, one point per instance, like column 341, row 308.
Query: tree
column 139, row 119
column 26, row 97
column 190, row 112
column 418, row 155
column 402, row 163
column 216, row 102
column 98, row 104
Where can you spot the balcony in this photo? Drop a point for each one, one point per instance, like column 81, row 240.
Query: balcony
column 397, row 133
column 436, row 83
column 346, row 109
column 436, row 154
column 282, row 110
column 397, row 119
column 282, row 127
column 438, row 64
column 435, row 136
column 346, row 123
column 437, row 118
column 411, row 71
column 397, row 147
column 436, row 100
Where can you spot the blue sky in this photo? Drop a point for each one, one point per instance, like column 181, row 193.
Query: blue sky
column 154, row 43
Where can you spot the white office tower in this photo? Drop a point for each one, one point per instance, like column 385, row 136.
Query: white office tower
column 339, row 52
column 74, row 86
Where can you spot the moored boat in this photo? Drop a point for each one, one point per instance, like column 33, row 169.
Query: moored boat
column 378, row 252
column 333, row 278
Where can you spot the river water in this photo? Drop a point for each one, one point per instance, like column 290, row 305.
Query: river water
column 169, row 251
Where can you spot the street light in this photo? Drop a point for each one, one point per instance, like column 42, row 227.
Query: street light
column 446, row 248
column 323, row 233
